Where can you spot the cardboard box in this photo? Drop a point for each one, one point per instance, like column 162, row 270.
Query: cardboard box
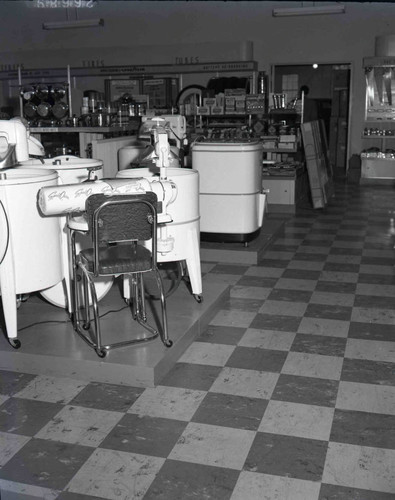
column 286, row 145
column 162, row 92
column 229, row 105
column 287, row 138
column 256, row 103
column 229, row 102
column 217, row 110
column 115, row 89
column 234, row 92
column 272, row 144
column 240, row 104
column 209, row 101
column 203, row 110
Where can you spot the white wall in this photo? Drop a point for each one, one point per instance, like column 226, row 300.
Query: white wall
column 177, row 29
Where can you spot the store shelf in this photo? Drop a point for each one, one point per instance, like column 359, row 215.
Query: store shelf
column 278, row 150
column 379, row 120
column 281, row 111
column 378, row 136
column 94, row 130
column 135, row 70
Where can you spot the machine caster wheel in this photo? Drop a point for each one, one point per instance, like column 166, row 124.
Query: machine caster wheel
column 102, row 353
column 73, row 320
column 168, row 343
column 15, row 343
column 86, row 326
column 198, row 298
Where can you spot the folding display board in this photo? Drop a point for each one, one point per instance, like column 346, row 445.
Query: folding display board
column 317, row 161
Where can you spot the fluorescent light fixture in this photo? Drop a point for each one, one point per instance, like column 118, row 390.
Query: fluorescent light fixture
column 75, row 23
column 315, row 10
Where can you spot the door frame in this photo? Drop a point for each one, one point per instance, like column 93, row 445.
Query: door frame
column 351, row 86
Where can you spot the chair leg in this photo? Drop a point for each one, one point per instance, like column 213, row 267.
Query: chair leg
column 100, row 350
column 164, row 332
column 74, row 281
column 87, row 293
column 133, row 294
column 87, row 318
column 141, row 292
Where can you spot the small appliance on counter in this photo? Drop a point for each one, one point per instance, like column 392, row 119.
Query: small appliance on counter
column 232, row 203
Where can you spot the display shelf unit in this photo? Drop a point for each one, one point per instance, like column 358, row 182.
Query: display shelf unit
column 379, row 119
column 275, row 119
column 136, row 71
column 280, row 150
column 50, row 78
column 286, row 192
column 377, row 170
column 220, row 120
column 85, row 135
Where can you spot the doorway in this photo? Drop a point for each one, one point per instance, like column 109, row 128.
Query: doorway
column 329, row 91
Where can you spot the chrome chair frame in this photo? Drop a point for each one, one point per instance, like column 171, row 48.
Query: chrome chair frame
column 88, row 262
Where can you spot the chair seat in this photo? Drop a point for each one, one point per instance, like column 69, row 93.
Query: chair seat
column 118, row 259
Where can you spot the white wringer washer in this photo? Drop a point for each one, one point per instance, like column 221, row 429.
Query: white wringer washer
column 30, row 244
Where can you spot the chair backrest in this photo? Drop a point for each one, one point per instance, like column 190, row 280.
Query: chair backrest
column 122, row 217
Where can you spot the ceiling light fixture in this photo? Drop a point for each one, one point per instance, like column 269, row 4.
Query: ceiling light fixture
column 315, row 10
column 76, row 23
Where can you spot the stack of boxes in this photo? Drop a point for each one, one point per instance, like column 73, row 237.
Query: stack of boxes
column 208, row 104
column 233, row 102
column 276, row 147
column 162, row 92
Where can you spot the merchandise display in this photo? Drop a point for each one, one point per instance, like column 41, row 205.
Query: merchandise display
column 231, row 200
column 31, row 245
column 70, row 170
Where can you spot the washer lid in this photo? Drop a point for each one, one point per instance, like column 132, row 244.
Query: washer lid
column 227, row 146
column 64, row 162
column 22, row 175
column 7, row 154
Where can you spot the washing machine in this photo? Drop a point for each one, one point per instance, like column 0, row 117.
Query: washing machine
column 179, row 239
column 71, row 170
column 232, row 203
column 30, row 244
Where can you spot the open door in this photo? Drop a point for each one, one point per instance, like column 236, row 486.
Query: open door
column 329, row 90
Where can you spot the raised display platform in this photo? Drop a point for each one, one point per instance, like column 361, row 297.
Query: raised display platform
column 51, row 346
column 239, row 253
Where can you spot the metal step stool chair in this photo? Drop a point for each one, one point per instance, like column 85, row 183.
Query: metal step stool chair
column 118, row 225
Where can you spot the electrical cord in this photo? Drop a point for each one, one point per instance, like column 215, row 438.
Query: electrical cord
column 41, row 323
column 176, row 136
column 8, row 232
column 67, row 321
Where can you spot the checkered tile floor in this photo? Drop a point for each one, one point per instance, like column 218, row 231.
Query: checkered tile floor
column 289, row 394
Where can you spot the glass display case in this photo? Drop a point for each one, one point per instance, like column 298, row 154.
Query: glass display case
column 378, row 134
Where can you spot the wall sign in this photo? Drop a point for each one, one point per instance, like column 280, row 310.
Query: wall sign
column 63, row 4
column 153, row 69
